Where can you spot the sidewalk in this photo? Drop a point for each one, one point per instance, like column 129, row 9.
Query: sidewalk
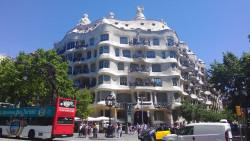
column 101, row 136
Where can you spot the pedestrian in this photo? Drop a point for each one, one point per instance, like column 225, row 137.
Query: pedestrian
column 84, row 131
column 94, row 130
column 138, row 127
column 119, row 130
column 129, row 129
column 89, row 129
column 80, row 130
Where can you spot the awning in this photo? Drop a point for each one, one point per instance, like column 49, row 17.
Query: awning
column 101, row 102
column 200, row 99
column 92, row 119
column 193, row 96
column 102, row 118
column 207, row 93
column 77, row 119
column 184, row 93
column 208, row 102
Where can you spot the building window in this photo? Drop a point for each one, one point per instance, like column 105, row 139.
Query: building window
column 92, row 67
column 104, row 37
column 157, row 81
column 175, row 81
column 150, row 54
column 103, row 79
column 156, row 42
column 104, row 49
column 170, row 41
column 77, row 83
column 138, row 54
column 123, row 80
column 95, row 53
column 117, row 52
column 104, row 64
column 85, row 69
column 173, row 65
column 135, row 41
column 92, row 41
column 70, row 45
column 88, row 54
column 120, row 66
column 81, row 43
column 93, row 82
column 163, row 55
column 156, row 68
column 123, row 40
column 126, row 53
column 70, row 70
column 172, row 54
column 101, row 95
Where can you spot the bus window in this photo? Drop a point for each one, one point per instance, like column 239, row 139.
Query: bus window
column 64, row 120
column 6, row 105
column 40, row 121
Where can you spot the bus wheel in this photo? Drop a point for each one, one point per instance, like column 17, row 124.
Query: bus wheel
column 31, row 134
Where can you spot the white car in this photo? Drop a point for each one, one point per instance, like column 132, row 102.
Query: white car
column 202, row 132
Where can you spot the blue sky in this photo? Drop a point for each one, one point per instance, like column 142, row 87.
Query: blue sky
column 209, row 27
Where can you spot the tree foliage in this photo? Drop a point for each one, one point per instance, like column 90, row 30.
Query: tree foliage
column 36, row 78
column 84, row 97
column 199, row 113
column 231, row 77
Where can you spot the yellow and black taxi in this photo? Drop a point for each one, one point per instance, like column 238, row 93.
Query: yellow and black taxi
column 161, row 132
column 154, row 133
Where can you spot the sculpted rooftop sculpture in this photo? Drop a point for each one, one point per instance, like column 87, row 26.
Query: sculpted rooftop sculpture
column 139, row 13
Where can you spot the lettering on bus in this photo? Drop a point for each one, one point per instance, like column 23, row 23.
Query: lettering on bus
column 27, row 112
column 62, row 109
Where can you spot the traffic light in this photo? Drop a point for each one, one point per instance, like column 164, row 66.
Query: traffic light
column 238, row 110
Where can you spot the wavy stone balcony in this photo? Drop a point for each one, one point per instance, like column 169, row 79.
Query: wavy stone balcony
column 139, row 71
column 162, row 105
column 140, row 44
column 145, row 82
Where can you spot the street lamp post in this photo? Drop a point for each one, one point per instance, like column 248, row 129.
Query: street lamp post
column 110, row 102
column 141, row 99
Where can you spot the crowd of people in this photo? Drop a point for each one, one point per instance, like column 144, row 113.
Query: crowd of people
column 86, row 129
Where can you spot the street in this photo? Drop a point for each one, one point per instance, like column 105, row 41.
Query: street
column 125, row 137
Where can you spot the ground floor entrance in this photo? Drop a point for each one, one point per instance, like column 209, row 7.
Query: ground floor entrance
column 141, row 116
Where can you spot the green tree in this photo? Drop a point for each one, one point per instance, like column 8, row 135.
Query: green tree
column 37, row 78
column 198, row 113
column 9, row 79
column 231, row 77
column 84, row 99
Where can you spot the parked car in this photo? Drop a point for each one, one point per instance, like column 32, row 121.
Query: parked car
column 202, row 132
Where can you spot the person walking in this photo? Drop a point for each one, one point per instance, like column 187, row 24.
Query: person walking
column 119, row 130
column 80, row 130
column 94, row 130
